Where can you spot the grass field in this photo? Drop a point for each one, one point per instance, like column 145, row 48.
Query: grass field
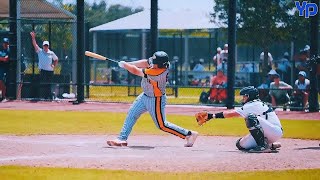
column 31, row 173
column 19, row 122
column 186, row 95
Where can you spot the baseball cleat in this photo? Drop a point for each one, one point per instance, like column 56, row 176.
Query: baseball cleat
column 191, row 139
column 260, row 149
column 275, row 145
column 117, row 142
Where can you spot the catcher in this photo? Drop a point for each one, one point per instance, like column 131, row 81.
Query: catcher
column 263, row 123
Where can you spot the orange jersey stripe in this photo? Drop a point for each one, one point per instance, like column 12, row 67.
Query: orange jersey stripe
column 154, row 72
column 160, row 120
column 156, row 89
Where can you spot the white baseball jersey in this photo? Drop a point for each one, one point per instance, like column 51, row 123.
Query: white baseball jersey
column 154, row 82
column 258, row 108
column 268, row 120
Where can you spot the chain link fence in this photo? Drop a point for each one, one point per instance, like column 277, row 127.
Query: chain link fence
column 196, row 77
column 50, row 23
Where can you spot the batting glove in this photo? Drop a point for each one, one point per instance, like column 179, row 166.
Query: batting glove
column 121, row 64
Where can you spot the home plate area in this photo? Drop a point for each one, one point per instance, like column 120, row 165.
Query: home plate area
column 153, row 153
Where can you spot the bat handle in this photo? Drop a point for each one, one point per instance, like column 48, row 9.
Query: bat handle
column 112, row 60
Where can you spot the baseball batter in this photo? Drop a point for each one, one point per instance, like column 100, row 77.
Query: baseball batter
column 263, row 123
column 154, row 73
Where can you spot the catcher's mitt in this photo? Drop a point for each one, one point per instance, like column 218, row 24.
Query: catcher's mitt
column 202, row 117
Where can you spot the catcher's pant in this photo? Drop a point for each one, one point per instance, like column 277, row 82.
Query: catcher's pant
column 156, row 107
column 271, row 132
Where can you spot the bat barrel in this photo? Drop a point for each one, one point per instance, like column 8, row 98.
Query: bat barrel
column 98, row 56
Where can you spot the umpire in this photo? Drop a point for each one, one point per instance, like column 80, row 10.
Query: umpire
column 47, row 62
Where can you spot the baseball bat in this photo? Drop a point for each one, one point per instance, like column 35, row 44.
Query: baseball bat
column 98, row 56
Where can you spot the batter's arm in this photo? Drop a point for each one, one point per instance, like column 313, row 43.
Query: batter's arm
column 143, row 63
column 132, row 68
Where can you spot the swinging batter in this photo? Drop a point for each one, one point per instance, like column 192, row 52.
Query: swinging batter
column 154, row 73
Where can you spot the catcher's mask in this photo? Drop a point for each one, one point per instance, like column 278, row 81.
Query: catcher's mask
column 251, row 92
column 160, row 58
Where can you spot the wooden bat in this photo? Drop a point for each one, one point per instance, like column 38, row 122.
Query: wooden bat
column 98, row 56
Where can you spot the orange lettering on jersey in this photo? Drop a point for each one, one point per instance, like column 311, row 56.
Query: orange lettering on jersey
column 154, row 72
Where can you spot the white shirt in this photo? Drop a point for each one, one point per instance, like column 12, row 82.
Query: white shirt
column 218, row 59
column 258, row 107
column 302, row 86
column 270, row 58
column 46, row 59
column 224, row 54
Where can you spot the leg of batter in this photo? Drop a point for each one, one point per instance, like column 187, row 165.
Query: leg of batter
column 135, row 111
column 156, row 108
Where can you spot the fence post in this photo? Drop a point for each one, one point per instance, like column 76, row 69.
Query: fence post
column 11, row 76
column 80, row 52
column 154, row 27
column 231, row 53
column 314, row 26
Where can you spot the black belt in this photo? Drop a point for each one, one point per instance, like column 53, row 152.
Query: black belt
column 153, row 96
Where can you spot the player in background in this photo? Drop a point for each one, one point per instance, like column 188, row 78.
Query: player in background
column 154, row 73
column 262, row 122
column 4, row 68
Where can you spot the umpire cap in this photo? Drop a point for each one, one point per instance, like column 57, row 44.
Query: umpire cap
column 250, row 91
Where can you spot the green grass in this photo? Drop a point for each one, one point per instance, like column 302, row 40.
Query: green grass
column 32, row 173
column 19, row 122
column 186, row 95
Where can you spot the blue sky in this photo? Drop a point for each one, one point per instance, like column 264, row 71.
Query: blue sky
column 205, row 5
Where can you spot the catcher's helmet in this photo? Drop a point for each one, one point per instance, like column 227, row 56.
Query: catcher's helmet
column 251, row 92
column 160, row 58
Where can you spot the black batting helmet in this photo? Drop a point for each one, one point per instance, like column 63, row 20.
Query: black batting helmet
column 251, row 92
column 160, row 58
